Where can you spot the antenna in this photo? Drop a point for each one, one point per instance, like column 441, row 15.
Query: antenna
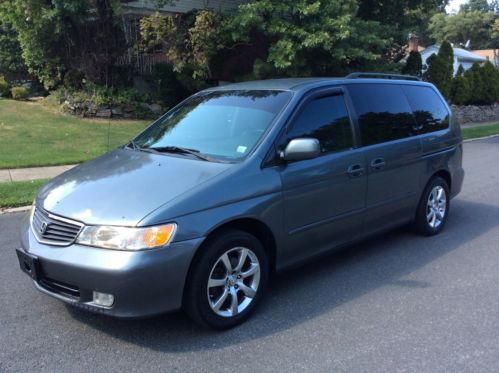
column 108, row 133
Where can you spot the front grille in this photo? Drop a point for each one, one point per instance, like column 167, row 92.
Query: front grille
column 54, row 230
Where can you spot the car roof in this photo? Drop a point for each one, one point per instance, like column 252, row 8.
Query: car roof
column 298, row 84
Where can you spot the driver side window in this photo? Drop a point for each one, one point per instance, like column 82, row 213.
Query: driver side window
column 325, row 119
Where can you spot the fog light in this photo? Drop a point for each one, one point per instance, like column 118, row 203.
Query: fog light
column 103, row 299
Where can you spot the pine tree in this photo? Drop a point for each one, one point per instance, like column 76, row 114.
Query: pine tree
column 447, row 54
column 414, row 64
column 490, row 81
column 474, row 77
column 438, row 74
column 460, row 88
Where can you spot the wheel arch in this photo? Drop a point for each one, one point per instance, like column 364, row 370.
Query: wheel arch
column 254, row 227
column 444, row 174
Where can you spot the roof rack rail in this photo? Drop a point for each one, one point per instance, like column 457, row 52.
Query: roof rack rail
column 382, row 76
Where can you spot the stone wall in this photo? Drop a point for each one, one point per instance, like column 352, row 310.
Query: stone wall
column 474, row 114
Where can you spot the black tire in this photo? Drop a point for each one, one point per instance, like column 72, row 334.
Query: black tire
column 421, row 223
column 196, row 303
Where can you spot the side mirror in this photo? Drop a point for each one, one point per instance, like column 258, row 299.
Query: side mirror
column 301, row 149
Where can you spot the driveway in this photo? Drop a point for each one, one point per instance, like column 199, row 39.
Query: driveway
column 398, row 302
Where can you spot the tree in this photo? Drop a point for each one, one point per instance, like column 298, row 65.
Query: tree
column 474, row 25
column 309, row 38
column 190, row 40
column 58, row 36
column 440, row 69
column 400, row 17
column 439, row 74
column 460, row 89
column 414, row 64
column 475, row 77
column 490, row 79
column 10, row 51
column 476, row 5
column 447, row 54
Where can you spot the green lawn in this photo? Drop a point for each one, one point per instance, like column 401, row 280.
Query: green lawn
column 472, row 133
column 32, row 134
column 19, row 193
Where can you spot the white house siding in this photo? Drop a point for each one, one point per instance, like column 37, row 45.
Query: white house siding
column 182, row 6
column 461, row 57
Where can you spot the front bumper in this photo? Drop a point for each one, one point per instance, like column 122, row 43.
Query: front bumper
column 143, row 283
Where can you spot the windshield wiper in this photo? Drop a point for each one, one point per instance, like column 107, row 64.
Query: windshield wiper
column 178, row 150
column 132, row 145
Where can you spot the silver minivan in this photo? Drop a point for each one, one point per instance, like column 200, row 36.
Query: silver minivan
column 238, row 182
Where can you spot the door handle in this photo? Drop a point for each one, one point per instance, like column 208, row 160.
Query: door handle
column 355, row 170
column 378, row 163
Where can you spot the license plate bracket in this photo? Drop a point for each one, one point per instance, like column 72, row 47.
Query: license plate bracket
column 29, row 264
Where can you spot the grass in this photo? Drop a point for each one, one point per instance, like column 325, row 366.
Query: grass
column 32, row 134
column 472, row 133
column 19, row 193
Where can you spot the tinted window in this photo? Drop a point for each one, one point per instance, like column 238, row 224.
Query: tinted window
column 429, row 110
column 223, row 124
column 325, row 119
column 383, row 112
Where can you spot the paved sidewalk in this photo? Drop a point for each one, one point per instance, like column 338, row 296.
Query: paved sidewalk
column 32, row 173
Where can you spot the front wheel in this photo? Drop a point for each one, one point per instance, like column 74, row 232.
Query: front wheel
column 226, row 280
column 433, row 208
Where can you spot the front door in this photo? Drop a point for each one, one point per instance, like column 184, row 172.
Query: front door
column 323, row 197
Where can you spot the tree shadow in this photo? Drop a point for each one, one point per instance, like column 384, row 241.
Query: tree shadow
column 309, row 291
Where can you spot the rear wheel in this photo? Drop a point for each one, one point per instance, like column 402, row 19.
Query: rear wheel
column 227, row 280
column 433, row 208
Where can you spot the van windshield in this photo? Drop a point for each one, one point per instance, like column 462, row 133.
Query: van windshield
column 225, row 125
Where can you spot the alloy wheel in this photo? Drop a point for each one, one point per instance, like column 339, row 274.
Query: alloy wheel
column 233, row 282
column 436, row 206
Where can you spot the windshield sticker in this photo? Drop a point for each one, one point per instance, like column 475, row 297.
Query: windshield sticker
column 241, row 149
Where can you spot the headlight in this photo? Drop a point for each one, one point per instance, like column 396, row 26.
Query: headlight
column 123, row 238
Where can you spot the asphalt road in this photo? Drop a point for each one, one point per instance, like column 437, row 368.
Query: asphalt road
column 399, row 302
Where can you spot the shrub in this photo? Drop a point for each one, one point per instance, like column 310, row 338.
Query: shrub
column 438, row 74
column 441, row 70
column 490, row 79
column 168, row 88
column 4, row 88
column 460, row 90
column 477, row 86
column 19, row 93
column 414, row 64
column 475, row 81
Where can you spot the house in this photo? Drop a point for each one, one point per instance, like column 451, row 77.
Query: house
column 144, row 8
column 133, row 11
column 461, row 57
column 490, row 54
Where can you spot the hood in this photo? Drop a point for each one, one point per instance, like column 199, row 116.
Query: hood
column 123, row 186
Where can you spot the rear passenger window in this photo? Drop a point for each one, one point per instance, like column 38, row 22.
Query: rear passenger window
column 325, row 119
column 429, row 110
column 383, row 112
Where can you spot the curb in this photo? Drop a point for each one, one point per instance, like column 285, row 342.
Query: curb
column 15, row 209
column 481, row 138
